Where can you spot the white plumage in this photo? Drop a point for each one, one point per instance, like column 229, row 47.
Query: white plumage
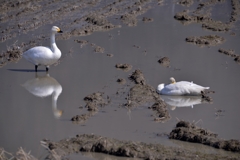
column 180, row 88
column 41, row 55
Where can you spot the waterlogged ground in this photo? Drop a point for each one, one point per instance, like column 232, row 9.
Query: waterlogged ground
column 98, row 56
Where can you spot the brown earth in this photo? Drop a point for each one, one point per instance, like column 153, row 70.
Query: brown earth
column 94, row 143
column 165, row 61
column 186, row 131
column 201, row 41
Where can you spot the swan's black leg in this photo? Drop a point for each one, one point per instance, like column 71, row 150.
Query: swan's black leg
column 36, row 66
column 46, row 69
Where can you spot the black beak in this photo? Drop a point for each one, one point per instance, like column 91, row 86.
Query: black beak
column 60, row 31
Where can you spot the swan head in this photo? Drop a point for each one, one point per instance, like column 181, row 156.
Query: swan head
column 56, row 29
column 160, row 87
column 172, row 80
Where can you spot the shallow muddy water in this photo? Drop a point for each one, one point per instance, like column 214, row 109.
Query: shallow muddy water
column 27, row 117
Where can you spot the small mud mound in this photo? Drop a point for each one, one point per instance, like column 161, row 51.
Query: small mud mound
column 186, row 131
column 124, row 67
column 205, row 97
column 161, row 111
column 98, row 49
column 137, row 77
column 110, row 55
column 81, row 42
column 142, row 93
column 93, row 102
column 210, row 40
column 145, row 19
column 129, row 19
column 13, row 54
column 94, row 143
column 237, row 59
column 185, row 2
column 121, row 80
column 165, row 61
column 230, row 53
column 96, row 19
column 137, row 9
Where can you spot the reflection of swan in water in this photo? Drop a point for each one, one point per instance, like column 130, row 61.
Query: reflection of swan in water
column 182, row 101
column 45, row 86
column 182, row 88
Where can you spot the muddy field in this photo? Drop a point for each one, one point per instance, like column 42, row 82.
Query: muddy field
column 101, row 95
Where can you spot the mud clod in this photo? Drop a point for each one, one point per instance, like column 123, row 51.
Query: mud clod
column 145, row 19
column 79, row 118
column 160, row 109
column 129, row 19
column 205, row 97
column 186, row 131
column 124, row 67
column 138, row 77
column 81, row 42
column 142, row 93
column 237, row 59
column 13, row 54
column 93, row 102
column 110, row 55
column 121, row 80
column 230, row 53
column 185, row 2
column 210, row 40
column 165, row 61
column 99, row 49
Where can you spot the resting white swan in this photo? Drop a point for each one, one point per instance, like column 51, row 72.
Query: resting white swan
column 180, row 88
column 43, row 55
column 43, row 87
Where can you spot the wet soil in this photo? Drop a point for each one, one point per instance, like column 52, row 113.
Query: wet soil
column 142, row 93
column 165, row 61
column 230, row 53
column 185, row 2
column 93, row 103
column 89, row 22
column 81, row 42
column 26, row 16
column 203, row 15
column 146, row 19
column 201, row 41
column 186, row 131
column 121, row 80
column 125, row 67
column 95, row 143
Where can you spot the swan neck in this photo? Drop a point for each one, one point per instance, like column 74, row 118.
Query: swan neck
column 53, row 43
column 54, row 100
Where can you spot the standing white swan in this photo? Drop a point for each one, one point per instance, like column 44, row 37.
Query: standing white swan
column 180, row 88
column 41, row 55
